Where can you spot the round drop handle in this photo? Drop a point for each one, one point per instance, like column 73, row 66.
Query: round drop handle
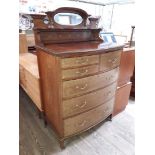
column 82, row 61
column 83, row 87
column 113, row 60
column 82, row 123
column 82, row 72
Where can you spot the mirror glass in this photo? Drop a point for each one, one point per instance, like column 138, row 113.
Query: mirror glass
column 68, row 19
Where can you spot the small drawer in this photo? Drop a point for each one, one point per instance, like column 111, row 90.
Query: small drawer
column 110, row 60
column 79, row 72
column 85, row 120
column 73, row 88
column 86, row 102
column 79, row 61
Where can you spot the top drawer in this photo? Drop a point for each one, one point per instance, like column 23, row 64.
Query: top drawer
column 110, row 60
column 79, row 61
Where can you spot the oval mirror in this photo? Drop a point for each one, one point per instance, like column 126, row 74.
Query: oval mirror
column 68, row 19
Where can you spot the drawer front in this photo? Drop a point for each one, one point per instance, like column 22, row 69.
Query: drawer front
column 79, row 61
column 79, row 72
column 110, row 60
column 85, row 120
column 86, row 102
column 77, row 87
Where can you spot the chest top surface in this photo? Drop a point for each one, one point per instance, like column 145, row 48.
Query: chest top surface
column 80, row 48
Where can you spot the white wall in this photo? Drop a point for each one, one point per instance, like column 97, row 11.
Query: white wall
column 123, row 19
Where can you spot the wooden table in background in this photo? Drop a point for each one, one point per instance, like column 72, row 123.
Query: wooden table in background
column 127, row 65
column 22, row 43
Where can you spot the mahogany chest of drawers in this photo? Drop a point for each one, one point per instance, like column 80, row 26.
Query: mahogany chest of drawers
column 78, row 92
column 78, row 74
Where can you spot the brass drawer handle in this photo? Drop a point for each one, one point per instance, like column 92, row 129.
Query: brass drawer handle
column 109, row 78
column 82, row 72
column 83, row 87
column 82, row 105
column 82, row 61
column 107, row 109
column 113, row 60
column 109, row 93
column 82, row 123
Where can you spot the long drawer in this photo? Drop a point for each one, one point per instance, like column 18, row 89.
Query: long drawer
column 85, row 120
column 110, row 60
column 86, row 102
column 73, row 88
column 79, row 61
column 79, row 72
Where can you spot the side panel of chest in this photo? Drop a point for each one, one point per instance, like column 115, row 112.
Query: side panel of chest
column 50, row 73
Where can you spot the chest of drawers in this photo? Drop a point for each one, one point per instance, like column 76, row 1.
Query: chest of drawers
column 78, row 92
column 78, row 74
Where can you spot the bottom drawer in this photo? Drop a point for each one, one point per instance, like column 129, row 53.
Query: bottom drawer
column 85, row 120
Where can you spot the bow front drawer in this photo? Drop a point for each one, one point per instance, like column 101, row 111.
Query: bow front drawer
column 80, row 104
column 79, row 61
column 73, row 88
column 85, row 120
column 110, row 60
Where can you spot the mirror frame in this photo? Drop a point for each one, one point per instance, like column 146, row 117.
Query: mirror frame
column 54, row 24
